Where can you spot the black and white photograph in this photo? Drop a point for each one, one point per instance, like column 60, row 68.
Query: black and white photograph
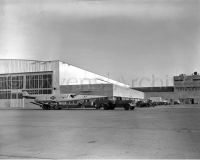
column 99, row 79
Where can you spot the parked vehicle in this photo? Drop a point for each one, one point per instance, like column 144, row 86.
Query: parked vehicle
column 144, row 103
column 177, row 102
column 112, row 103
column 159, row 101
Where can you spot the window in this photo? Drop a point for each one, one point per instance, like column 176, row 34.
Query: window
column 16, row 82
column 3, row 83
column 39, row 81
column 33, row 83
column 11, row 82
column 5, row 95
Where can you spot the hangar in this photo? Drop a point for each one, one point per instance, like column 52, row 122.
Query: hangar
column 53, row 77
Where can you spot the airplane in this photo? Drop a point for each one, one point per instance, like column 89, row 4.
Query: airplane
column 60, row 101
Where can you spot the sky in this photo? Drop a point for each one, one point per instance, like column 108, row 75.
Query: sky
column 137, row 42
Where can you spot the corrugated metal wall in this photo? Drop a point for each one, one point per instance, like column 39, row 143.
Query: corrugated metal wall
column 103, row 90
column 93, row 89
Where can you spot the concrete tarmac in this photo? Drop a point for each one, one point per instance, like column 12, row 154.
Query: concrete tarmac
column 160, row 132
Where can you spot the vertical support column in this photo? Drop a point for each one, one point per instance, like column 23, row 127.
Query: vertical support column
column 24, row 82
column 23, row 103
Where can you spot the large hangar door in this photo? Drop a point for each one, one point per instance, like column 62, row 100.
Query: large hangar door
column 12, row 85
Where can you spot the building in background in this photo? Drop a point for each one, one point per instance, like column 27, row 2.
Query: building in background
column 53, row 77
column 187, row 88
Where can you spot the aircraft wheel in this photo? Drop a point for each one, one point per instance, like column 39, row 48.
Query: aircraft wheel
column 83, row 106
column 79, row 105
column 45, row 107
column 111, row 107
column 49, row 107
column 97, row 106
column 126, row 107
column 132, row 108
column 56, row 106
column 105, row 106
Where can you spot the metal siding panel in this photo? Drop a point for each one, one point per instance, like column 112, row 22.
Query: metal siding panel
column 95, row 89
